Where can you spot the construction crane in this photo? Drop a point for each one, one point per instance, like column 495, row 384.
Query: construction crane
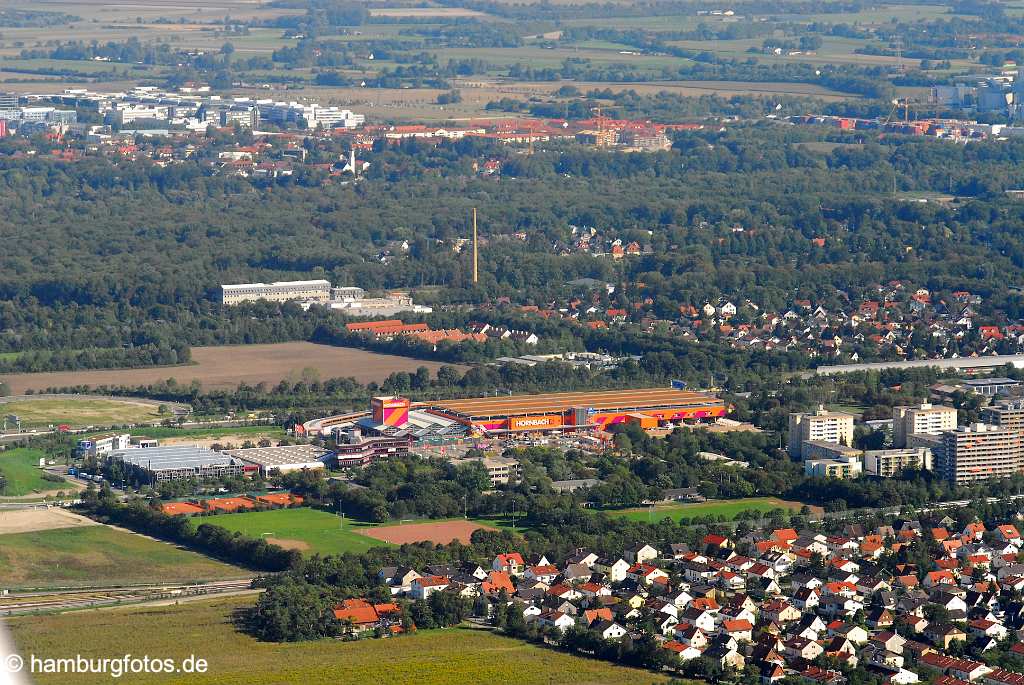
column 897, row 103
column 600, row 125
column 531, row 129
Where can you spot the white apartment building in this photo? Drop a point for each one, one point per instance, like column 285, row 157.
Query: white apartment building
column 822, row 426
column 279, row 291
column 843, row 467
column 889, row 463
column 925, row 419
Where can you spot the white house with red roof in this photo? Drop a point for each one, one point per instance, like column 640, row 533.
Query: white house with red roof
column 511, row 563
column 423, row 587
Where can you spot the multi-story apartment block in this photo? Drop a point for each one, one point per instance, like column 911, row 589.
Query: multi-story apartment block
column 280, row 291
column 501, row 470
column 822, row 426
column 927, row 419
column 889, row 463
column 978, row 452
column 841, row 467
column 1005, row 414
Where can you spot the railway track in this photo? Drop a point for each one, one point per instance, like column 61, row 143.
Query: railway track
column 67, row 599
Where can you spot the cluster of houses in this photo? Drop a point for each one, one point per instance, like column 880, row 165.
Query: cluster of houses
column 793, row 603
column 891, row 325
column 389, row 329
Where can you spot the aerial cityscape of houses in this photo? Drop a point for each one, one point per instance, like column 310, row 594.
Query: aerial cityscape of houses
column 767, row 603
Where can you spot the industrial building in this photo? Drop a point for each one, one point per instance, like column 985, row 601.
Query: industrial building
column 354, row 302
column 180, row 462
column 822, row 425
column 927, row 419
column 273, row 461
column 280, row 291
column 978, row 452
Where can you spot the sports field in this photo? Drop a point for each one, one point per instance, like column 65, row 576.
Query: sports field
column 456, row 656
column 22, row 475
column 726, row 508
column 100, row 555
column 227, row 366
column 79, row 411
column 440, row 532
column 304, row 529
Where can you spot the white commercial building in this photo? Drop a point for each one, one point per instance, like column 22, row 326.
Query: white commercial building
column 276, row 460
column 311, row 116
column 279, row 291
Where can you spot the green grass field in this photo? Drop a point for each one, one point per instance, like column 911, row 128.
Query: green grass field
column 20, row 468
column 98, row 555
column 308, row 530
column 726, row 508
column 84, row 411
column 456, row 656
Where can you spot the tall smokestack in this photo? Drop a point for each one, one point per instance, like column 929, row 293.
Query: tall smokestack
column 476, row 252
column 352, row 160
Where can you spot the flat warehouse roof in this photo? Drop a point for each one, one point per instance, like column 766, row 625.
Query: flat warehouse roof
column 173, row 457
column 281, row 456
column 609, row 400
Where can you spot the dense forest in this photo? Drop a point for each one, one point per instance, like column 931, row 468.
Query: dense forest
column 130, row 256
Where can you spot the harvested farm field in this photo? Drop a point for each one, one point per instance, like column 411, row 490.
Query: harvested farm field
column 36, row 519
column 227, row 366
column 440, row 532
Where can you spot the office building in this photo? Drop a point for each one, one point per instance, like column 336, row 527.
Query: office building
column 926, row 419
column 890, row 463
column 281, row 291
column 242, row 115
column 8, row 100
column 132, row 113
column 102, row 444
column 310, row 116
column 822, row 425
column 356, row 449
column 978, row 452
column 1005, row 414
